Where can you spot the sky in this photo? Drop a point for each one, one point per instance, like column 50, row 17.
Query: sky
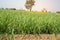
column 50, row 5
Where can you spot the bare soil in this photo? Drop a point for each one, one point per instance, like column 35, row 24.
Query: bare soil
column 33, row 37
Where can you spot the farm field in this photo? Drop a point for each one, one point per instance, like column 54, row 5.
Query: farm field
column 25, row 22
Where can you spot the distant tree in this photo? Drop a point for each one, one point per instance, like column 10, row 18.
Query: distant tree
column 29, row 4
column 1, row 8
column 12, row 8
column 58, row 12
column 44, row 10
column 6, row 8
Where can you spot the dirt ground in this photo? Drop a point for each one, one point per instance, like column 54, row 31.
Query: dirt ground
column 34, row 37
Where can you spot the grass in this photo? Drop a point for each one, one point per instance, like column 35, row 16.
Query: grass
column 25, row 22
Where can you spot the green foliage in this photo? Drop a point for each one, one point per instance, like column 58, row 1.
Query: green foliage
column 23, row 22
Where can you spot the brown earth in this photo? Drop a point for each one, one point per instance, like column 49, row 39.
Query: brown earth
column 33, row 37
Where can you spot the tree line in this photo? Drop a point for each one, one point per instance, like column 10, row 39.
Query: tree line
column 7, row 8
